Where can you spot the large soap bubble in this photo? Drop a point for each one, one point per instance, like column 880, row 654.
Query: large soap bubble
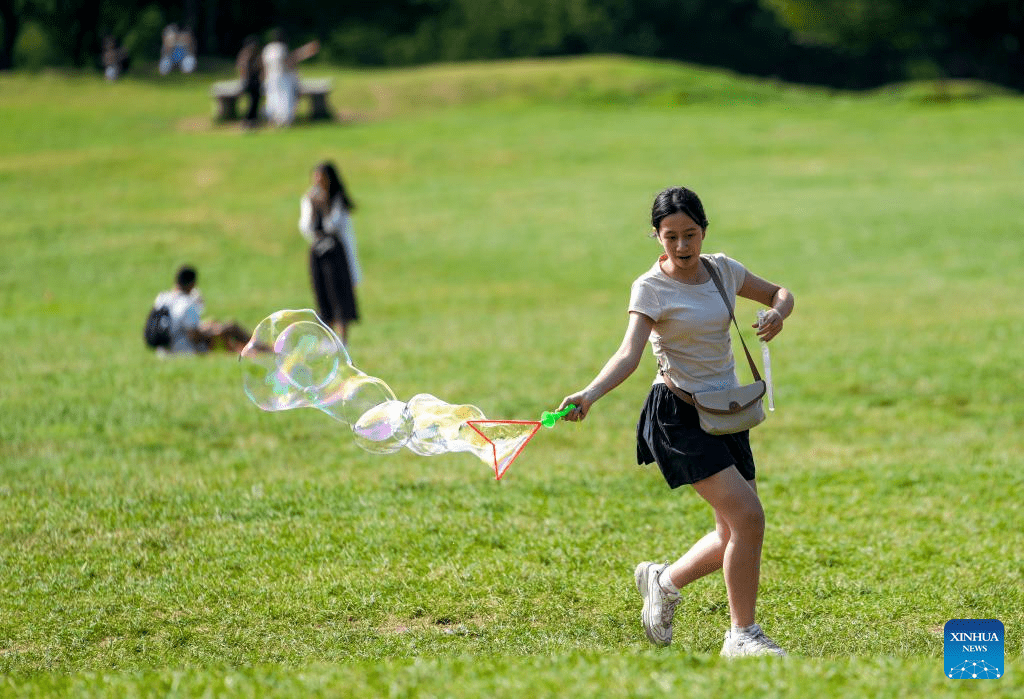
column 295, row 361
column 292, row 361
column 438, row 426
column 384, row 428
column 307, row 355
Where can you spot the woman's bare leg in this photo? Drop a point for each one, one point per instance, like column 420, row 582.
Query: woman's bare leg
column 738, row 508
column 704, row 557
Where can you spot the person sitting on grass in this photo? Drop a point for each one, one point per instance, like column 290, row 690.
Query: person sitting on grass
column 189, row 334
column 178, row 50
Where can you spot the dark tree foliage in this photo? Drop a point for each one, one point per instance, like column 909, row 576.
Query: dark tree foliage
column 921, row 38
column 11, row 12
column 844, row 43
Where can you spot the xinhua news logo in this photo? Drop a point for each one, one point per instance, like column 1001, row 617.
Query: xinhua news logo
column 973, row 649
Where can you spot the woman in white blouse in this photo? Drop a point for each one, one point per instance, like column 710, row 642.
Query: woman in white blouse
column 325, row 222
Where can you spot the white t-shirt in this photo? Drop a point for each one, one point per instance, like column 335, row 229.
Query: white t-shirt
column 186, row 310
column 690, row 337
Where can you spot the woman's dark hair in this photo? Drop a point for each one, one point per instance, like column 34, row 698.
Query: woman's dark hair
column 674, row 200
column 335, row 185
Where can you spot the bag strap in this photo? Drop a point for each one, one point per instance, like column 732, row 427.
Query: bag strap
column 680, row 393
column 713, row 271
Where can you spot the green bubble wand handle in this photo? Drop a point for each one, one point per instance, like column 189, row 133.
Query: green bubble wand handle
column 549, row 419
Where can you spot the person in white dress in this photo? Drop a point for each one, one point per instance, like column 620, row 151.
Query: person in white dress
column 280, row 81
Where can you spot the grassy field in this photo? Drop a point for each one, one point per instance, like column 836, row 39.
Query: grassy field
column 162, row 537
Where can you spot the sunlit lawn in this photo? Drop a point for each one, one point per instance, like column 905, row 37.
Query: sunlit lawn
column 161, row 536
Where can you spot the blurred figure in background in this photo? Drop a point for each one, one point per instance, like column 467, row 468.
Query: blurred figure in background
column 115, row 58
column 186, row 331
column 280, row 81
column 250, row 75
column 168, row 41
column 326, row 224
column 177, row 50
column 187, row 43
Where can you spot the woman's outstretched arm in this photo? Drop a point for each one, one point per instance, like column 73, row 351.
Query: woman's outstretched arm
column 616, row 370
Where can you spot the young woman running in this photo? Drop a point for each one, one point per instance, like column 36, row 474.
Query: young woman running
column 678, row 308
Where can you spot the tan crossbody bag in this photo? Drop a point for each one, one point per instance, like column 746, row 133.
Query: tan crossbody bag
column 733, row 409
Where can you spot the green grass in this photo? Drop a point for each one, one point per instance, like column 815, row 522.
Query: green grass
column 160, row 536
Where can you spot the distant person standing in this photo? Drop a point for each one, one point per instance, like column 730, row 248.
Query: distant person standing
column 280, row 81
column 325, row 222
column 250, row 74
column 115, row 59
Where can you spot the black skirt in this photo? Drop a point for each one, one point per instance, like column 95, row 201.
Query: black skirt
column 332, row 285
column 669, row 433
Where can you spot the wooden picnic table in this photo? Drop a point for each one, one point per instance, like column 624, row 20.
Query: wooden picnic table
column 317, row 90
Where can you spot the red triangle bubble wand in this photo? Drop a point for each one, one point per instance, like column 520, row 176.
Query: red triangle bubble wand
column 508, row 438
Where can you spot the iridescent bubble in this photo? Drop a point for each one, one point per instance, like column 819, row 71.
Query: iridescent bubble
column 294, row 360
column 307, row 354
column 385, row 428
column 436, row 425
column 357, row 395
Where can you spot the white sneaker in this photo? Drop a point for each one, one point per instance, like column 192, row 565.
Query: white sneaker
column 756, row 642
column 659, row 606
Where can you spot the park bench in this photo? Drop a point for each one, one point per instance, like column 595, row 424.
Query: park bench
column 227, row 93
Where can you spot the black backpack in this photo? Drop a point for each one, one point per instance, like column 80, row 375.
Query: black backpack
column 158, row 327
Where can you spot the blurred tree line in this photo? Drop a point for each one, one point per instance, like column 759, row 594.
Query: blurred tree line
column 919, row 39
column 843, row 43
